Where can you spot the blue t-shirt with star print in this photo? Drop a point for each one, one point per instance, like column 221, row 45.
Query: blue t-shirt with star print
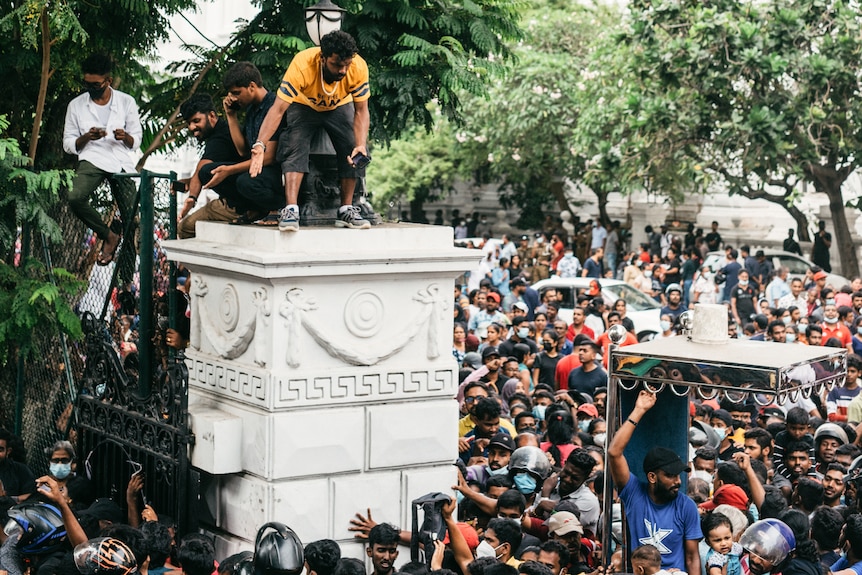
column 667, row 526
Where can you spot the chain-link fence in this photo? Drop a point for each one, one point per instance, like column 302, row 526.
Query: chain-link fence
column 129, row 295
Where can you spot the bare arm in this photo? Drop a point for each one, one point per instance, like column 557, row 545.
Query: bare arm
column 459, row 546
column 758, row 493
column 618, row 464
column 267, row 130
column 233, row 124
column 51, row 490
column 483, row 502
column 361, row 123
column 692, row 556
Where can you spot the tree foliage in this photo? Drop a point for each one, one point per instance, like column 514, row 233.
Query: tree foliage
column 760, row 96
column 523, row 134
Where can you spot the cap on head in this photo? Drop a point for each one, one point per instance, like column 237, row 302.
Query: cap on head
column 502, row 440
column 664, row 459
column 563, row 522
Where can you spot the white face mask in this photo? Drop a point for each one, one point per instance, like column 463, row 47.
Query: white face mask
column 485, row 550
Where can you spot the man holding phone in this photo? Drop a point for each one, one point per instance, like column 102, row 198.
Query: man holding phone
column 328, row 87
column 102, row 128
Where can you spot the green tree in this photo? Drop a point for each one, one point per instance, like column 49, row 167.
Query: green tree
column 759, row 96
column 523, row 134
column 418, row 168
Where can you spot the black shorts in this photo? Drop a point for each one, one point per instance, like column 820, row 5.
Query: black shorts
column 302, row 123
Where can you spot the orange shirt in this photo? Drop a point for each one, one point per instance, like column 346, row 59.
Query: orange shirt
column 838, row 331
column 564, row 368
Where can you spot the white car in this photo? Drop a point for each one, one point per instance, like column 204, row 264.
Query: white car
column 640, row 308
column 795, row 264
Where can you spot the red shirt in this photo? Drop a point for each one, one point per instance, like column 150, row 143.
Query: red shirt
column 587, row 331
column 605, row 342
column 564, row 367
column 838, row 331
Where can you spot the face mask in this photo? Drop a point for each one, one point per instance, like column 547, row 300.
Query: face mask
column 830, row 319
column 599, row 439
column 547, row 346
column 584, row 425
column 525, row 483
column 523, row 333
column 485, row 550
column 789, row 338
column 803, row 328
column 665, row 325
column 787, row 319
column 737, row 424
column 648, row 273
column 494, row 472
column 743, row 283
column 61, row 470
column 830, row 301
column 96, row 93
column 539, row 412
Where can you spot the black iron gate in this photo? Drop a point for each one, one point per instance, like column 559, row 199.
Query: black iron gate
column 122, row 432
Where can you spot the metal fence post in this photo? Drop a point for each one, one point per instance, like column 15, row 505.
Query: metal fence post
column 145, row 326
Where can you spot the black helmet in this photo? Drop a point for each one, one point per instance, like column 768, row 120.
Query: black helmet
column 105, row 556
column 40, row 526
column 532, row 460
column 241, row 563
column 278, row 552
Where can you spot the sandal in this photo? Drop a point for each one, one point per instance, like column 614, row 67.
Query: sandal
column 246, row 219
column 104, row 259
column 269, row 220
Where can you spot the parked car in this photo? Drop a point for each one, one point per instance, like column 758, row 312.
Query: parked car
column 640, row 308
column 796, row 264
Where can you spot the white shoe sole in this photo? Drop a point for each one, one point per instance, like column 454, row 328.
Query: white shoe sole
column 341, row 224
column 288, row 228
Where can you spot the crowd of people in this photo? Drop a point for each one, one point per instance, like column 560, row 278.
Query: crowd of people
column 770, row 489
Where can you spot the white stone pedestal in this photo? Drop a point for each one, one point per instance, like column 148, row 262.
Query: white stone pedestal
column 321, row 374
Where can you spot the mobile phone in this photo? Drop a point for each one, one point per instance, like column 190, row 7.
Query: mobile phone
column 360, row 160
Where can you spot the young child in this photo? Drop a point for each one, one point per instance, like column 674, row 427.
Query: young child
column 646, row 560
column 724, row 553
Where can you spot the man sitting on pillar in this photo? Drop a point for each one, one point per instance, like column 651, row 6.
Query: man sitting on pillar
column 242, row 199
column 323, row 87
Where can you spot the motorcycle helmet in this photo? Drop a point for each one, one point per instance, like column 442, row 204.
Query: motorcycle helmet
column 672, row 287
column 279, row 551
column 241, row 563
column 39, row 527
column 770, row 539
column 105, row 556
column 530, row 460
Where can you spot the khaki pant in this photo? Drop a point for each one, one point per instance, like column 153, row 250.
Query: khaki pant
column 214, row 211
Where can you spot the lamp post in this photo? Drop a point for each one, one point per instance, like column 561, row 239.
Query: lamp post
column 323, row 18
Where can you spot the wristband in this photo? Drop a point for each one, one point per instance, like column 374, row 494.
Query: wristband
column 192, row 198
column 260, row 145
column 632, row 421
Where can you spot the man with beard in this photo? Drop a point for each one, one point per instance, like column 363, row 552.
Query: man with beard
column 325, row 87
column 827, row 439
column 16, row 479
column 383, row 548
column 241, row 197
column 571, row 484
column 500, row 449
column 657, row 514
column 486, row 417
column 833, row 484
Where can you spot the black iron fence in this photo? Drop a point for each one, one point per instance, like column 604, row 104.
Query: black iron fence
column 121, row 393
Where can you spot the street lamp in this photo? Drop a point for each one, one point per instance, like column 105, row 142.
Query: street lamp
column 322, row 18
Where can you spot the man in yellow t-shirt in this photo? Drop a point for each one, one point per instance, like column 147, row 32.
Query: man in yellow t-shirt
column 323, row 87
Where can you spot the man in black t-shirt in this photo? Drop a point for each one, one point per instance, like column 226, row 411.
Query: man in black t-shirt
column 713, row 238
column 742, row 299
column 225, row 161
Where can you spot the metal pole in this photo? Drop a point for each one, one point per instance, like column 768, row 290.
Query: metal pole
column 612, row 426
column 172, row 234
column 145, row 326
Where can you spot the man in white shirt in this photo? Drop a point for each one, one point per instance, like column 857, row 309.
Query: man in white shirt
column 797, row 297
column 102, row 128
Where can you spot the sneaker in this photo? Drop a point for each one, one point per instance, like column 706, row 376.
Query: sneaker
column 288, row 221
column 350, row 218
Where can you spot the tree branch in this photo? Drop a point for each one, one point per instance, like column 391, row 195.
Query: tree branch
column 158, row 141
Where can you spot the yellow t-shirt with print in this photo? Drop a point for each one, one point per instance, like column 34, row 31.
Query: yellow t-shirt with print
column 303, row 83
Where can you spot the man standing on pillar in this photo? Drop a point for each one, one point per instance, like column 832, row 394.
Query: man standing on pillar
column 323, row 87
column 657, row 514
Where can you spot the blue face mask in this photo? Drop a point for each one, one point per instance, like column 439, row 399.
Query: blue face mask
column 790, row 338
column 802, row 327
column 584, row 425
column 61, row 470
column 539, row 412
column 525, row 483
column 494, row 472
column 523, row 333
column 787, row 319
column 664, row 325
